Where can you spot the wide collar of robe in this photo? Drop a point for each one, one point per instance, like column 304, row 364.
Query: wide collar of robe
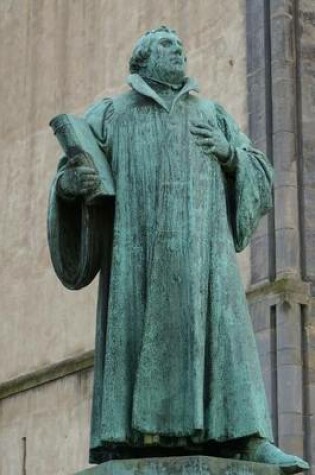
column 142, row 87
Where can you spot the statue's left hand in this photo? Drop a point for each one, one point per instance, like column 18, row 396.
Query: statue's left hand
column 212, row 140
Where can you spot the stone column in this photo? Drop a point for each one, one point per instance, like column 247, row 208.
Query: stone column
column 281, row 85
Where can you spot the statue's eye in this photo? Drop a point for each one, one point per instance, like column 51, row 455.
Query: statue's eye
column 166, row 43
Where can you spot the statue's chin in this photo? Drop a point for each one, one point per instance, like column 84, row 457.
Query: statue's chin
column 173, row 76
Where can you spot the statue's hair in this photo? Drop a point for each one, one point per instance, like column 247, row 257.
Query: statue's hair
column 142, row 49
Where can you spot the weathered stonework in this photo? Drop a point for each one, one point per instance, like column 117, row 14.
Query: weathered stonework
column 281, row 35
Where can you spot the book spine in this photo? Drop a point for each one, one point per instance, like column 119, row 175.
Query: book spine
column 66, row 136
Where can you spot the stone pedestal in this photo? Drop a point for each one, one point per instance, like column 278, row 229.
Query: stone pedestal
column 192, row 465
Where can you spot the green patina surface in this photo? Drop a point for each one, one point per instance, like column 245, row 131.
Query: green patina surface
column 175, row 351
column 182, row 466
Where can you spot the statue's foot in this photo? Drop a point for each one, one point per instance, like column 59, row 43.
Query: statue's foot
column 262, row 451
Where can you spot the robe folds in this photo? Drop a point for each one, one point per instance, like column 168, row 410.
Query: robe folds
column 175, row 351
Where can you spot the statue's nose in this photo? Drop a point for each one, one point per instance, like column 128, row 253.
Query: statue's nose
column 178, row 49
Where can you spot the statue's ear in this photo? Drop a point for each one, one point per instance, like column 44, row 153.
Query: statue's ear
column 139, row 58
column 142, row 63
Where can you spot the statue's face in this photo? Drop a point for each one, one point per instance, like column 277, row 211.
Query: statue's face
column 167, row 61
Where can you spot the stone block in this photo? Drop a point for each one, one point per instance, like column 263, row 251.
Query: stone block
column 290, row 389
column 260, row 255
column 283, row 105
column 256, row 48
column 257, row 100
column 191, row 465
column 260, row 313
column 287, row 250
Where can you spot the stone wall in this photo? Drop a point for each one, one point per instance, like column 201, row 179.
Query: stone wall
column 46, row 430
column 59, row 56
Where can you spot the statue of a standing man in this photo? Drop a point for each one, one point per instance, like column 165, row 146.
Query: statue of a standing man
column 176, row 366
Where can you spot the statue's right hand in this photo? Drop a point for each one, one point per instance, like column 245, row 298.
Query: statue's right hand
column 78, row 180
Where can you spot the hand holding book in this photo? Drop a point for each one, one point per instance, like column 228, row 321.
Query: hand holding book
column 87, row 173
column 79, row 178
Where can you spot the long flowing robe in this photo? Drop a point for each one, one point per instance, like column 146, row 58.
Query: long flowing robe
column 175, row 352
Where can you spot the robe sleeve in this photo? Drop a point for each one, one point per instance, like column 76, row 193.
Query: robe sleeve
column 248, row 182
column 77, row 233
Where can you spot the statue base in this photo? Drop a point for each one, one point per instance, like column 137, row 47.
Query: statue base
column 191, row 465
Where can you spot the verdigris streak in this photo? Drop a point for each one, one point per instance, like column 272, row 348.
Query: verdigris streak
column 176, row 364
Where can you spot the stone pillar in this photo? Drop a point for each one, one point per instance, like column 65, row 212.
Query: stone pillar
column 281, row 85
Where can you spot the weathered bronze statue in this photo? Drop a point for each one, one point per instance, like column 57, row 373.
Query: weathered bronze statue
column 176, row 365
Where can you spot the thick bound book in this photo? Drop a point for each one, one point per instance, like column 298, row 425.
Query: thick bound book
column 76, row 137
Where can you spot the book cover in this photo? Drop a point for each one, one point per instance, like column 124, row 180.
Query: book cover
column 75, row 136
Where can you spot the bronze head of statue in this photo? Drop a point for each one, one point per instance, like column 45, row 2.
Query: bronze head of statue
column 159, row 55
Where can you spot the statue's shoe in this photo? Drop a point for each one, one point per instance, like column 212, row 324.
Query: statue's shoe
column 265, row 452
